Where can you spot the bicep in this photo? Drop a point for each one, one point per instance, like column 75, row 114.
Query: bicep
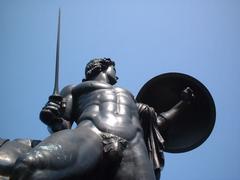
column 66, row 93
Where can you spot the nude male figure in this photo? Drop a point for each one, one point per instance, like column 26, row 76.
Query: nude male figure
column 114, row 137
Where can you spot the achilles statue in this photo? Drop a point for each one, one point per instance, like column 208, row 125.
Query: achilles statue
column 118, row 136
column 115, row 138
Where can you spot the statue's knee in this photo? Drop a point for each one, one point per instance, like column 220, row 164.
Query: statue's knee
column 6, row 159
column 6, row 163
column 10, row 151
column 23, row 169
column 22, row 164
column 27, row 161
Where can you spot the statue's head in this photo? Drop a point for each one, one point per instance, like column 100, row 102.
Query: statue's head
column 98, row 65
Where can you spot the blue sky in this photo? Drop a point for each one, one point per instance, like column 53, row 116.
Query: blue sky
column 145, row 38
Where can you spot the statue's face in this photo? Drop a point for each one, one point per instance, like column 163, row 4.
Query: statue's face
column 111, row 73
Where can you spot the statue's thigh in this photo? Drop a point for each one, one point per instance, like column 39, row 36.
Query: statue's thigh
column 64, row 154
column 135, row 164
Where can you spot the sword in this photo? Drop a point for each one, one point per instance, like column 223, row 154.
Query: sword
column 46, row 114
column 56, row 96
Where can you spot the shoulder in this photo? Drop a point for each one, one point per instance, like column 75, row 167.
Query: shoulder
column 124, row 91
column 67, row 90
column 89, row 86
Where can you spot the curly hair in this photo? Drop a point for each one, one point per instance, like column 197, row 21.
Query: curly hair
column 97, row 65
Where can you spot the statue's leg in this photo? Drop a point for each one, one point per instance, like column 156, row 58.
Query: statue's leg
column 10, row 151
column 135, row 164
column 65, row 154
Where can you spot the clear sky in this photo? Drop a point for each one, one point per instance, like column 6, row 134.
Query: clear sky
column 145, row 38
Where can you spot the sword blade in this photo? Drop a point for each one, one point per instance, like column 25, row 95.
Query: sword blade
column 56, row 89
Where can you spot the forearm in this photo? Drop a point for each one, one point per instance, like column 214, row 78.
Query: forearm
column 165, row 119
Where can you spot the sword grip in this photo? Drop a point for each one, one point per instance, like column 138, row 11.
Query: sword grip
column 56, row 98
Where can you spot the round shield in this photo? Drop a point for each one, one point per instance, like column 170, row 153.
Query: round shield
column 194, row 124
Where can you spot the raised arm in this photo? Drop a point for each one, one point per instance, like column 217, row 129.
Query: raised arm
column 57, row 113
column 168, row 117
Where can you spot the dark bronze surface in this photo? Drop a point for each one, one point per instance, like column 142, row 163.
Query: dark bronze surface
column 194, row 125
column 115, row 138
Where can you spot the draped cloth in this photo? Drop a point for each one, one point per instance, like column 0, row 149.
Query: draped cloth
column 152, row 136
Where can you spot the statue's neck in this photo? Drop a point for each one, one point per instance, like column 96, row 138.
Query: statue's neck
column 102, row 77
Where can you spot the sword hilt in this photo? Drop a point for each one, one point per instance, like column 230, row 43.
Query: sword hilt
column 56, row 98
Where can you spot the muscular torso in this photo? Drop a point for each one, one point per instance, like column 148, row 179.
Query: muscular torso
column 110, row 109
column 80, row 152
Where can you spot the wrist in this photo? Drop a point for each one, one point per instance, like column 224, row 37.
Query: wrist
column 59, row 125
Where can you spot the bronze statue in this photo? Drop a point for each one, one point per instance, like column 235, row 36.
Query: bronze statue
column 108, row 142
column 117, row 136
